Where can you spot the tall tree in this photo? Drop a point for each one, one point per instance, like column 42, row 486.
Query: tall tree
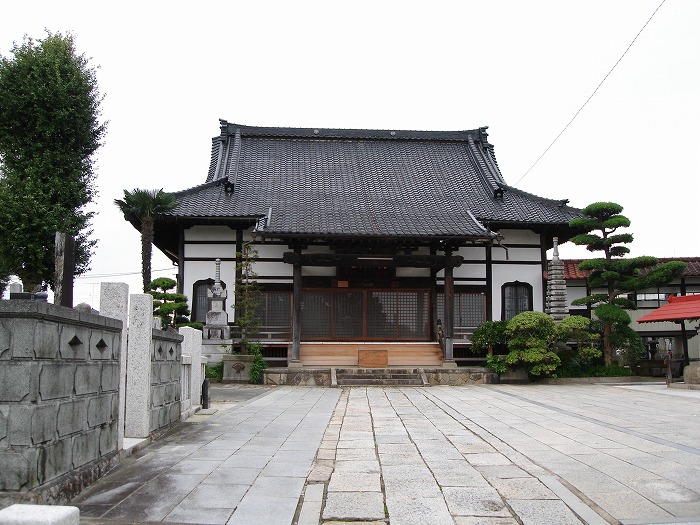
column 614, row 274
column 49, row 132
column 142, row 208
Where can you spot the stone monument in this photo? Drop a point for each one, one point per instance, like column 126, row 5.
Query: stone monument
column 216, row 326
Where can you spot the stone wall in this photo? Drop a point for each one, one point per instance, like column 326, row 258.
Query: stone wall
column 59, row 381
column 460, row 376
column 297, row 376
column 165, row 379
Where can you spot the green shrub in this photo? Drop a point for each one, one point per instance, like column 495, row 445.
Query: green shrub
column 496, row 363
column 256, row 368
column 215, row 371
column 489, row 335
column 531, row 336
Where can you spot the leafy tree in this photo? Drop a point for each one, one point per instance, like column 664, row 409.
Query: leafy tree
column 169, row 306
column 248, row 310
column 612, row 273
column 49, row 131
column 578, row 329
column 4, row 283
column 142, row 208
column 247, row 297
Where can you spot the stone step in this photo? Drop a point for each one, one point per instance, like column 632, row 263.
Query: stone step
column 376, row 370
column 378, row 377
column 379, row 382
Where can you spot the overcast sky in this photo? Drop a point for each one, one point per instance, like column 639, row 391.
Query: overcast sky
column 169, row 70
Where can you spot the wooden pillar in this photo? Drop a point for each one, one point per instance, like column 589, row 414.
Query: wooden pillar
column 433, row 299
column 489, row 283
column 684, row 336
column 239, row 273
column 294, row 358
column 181, row 263
column 449, row 321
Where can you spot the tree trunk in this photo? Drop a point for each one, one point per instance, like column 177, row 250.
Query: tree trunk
column 607, row 346
column 607, row 325
column 146, row 248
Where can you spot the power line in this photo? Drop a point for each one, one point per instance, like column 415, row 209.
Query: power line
column 592, row 94
column 101, row 275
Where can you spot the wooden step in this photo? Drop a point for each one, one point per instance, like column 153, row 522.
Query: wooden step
column 346, row 354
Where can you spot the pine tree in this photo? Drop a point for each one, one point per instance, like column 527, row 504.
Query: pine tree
column 614, row 274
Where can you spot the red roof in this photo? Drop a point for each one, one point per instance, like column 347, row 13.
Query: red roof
column 677, row 309
column 571, row 270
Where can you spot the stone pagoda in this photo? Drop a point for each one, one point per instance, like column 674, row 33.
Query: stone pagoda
column 217, row 326
column 556, row 286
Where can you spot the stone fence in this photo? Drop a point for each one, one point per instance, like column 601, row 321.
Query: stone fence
column 69, row 395
column 59, row 382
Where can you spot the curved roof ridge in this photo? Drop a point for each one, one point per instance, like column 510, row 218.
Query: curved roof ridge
column 384, row 134
column 195, row 189
column 561, row 203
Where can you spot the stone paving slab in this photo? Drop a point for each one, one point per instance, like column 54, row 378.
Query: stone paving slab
column 246, row 464
column 488, row 455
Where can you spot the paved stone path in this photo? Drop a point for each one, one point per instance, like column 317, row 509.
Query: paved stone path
column 487, row 455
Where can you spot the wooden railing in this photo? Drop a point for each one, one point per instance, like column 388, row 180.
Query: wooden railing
column 265, row 333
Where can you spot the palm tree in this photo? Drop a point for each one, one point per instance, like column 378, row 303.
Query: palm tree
column 144, row 207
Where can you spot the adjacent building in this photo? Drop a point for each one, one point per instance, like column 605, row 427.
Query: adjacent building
column 658, row 337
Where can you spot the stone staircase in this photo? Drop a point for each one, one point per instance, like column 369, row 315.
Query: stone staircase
column 380, row 377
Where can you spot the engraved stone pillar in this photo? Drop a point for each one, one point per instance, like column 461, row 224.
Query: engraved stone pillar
column 114, row 303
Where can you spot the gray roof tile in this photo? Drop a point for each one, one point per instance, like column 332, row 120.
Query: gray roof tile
column 362, row 182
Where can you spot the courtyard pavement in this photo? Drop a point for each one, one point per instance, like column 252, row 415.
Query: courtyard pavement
column 487, row 455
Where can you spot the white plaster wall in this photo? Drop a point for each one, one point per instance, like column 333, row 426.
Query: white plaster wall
column 473, row 253
column 575, row 292
column 474, row 271
column 276, row 269
column 269, row 251
column 318, row 271
column 505, row 273
column 214, row 251
column 517, row 254
column 210, row 233
column 412, row 272
column 519, row 237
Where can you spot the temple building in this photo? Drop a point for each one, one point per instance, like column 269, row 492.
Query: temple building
column 404, row 240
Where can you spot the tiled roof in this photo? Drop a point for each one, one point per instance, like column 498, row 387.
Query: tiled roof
column 572, row 272
column 363, row 182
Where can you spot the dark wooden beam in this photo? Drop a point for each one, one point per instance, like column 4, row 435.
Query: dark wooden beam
column 448, row 322
column 294, row 358
column 410, row 261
